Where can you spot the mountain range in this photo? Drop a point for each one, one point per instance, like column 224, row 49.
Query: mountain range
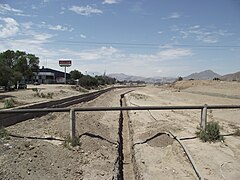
column 204, row 75
column 124, row 77
column 231, row 77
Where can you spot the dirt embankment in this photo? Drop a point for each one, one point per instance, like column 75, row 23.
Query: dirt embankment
column 40, row 93
column 158, row 156
column 37, row 149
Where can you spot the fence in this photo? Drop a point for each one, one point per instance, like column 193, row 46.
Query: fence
column 203, row 120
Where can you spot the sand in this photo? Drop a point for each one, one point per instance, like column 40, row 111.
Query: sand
column 32, row 155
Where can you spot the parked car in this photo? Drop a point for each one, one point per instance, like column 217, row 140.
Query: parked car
column 22, row 86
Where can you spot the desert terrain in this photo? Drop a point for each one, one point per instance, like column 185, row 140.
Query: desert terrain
column 38, row 148
column 28, row 96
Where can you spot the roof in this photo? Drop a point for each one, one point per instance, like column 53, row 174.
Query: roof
column 56, row 72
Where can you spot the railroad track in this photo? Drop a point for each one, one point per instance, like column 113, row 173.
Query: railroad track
column 11, row 119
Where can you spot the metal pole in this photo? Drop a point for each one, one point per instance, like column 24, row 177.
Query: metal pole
column 204, row 117
column 72, row 125
column 65, row 75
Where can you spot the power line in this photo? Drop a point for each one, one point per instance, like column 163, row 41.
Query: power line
column 142, row 44
column 134, row 45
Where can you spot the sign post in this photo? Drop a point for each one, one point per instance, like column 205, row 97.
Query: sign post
column 65, row 64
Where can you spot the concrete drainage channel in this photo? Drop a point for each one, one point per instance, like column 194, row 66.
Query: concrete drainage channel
column 126, row 161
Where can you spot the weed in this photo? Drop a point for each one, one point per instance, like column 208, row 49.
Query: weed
column 37, row 92
column 42, row 95
column 211, row 133
column 3, row 133
column 9, row 103
column 68, row 141
column 50, row 95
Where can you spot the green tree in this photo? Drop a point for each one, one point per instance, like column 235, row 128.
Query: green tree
column 15, row 66
column 75, row 74
column 5, row 74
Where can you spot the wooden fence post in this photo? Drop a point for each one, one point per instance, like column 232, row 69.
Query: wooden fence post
column 72, row 125
column 204, row 117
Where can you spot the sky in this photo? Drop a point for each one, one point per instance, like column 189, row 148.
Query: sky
column 151, row 38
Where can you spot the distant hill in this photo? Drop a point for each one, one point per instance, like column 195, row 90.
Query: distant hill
column 231, row 77
column 124, row 77
column 204, row 75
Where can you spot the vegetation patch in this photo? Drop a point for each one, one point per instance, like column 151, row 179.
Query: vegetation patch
column 40, row 94
column 9, row 103
column 69, row 142
column 3, row 133
column 211, row 133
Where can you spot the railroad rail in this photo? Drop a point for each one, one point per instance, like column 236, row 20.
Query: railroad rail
column 9, row 119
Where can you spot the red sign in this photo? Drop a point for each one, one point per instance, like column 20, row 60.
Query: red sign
column 65, row 63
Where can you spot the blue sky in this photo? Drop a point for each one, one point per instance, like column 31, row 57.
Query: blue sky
column 145, row 38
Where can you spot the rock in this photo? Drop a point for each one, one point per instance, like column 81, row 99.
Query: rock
column 8, row 145
column 31, row 147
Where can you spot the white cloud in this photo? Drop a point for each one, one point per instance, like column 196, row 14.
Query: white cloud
column 10, row 28
column 173, row 15
column 27, row 25
column 159, row 32
column 93, row 54
column 42, row 37
column 85, row 10
column 204, row 34
column 83, row 36
column 173, row 53
column 5, row 8
column 59, row 28
column 110, row 2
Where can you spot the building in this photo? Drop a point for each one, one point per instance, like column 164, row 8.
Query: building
column 50, row 76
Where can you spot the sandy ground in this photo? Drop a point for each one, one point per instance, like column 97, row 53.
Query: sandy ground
column 30, row 154
column 162, row 157
column 28, row 96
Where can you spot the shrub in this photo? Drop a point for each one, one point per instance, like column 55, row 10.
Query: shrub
column 3, row 133
column 8, row 103
column 50, row 95
column 42, row 95
column 37, row 92
column 211, row 133
column 68, row 142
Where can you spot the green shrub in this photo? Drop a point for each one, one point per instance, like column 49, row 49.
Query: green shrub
column 42, row 95
column 211, row 133
column 68, row 142
column 8, row 103
column 3, row 133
